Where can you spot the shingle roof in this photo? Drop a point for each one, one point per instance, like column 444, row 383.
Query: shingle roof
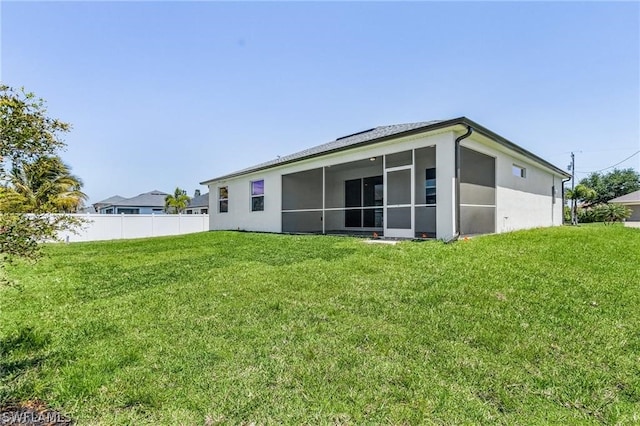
column 380, row 133
column 343, row 142
column 148, row 199
column 88, row 209
column 632, row 197
column 199, row 201
column 337, row 145
column 111, row 200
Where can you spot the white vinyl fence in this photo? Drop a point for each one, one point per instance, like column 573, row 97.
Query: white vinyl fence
column 118, row 226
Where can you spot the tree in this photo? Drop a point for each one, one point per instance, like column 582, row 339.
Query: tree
column 579, row 193
column 26, row 134
column 26, row 131
column 44, row 185
column 177, row 202
column 610, row 213
column 613, row 184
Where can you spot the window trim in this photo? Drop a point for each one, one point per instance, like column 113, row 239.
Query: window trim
column 221, row 199
column 522, row 171
column 128, row 210
column 253, row 196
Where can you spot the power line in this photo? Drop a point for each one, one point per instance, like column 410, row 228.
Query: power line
column 593, row 151
column 610, row 167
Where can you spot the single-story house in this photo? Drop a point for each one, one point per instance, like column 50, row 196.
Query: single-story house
column 631, row 200
column 100, row 206
column 90, row 209
column 145, row 203
column 429, row 179
column 198, row 204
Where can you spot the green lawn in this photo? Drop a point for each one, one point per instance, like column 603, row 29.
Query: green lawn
column 532, row 327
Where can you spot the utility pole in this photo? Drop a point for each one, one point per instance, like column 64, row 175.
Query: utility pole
column 574, row 213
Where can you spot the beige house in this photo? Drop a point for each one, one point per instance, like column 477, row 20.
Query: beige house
column 631, row 200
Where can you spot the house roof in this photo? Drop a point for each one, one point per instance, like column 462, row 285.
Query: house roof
column 199, row 201
column 148, row 199
column 111, row 200
column 383, row 133
column 88, row 209
column 153, row 198
column 630, row 198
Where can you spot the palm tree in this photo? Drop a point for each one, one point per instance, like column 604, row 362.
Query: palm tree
column 177, row 202
column 611, row 213
column 43, row 185
column 579, row 193
column 582, row 193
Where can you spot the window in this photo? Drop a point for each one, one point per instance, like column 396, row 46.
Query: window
column 189, row 211
column 430, row 186
column 204, row 211
column 519, row 171
column 128, row 211
column 257, row 195
column 367, row 193
column 223, row 199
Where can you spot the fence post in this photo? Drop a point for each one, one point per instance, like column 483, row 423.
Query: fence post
column 121, row 226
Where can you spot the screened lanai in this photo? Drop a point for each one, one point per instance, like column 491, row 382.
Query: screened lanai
column 392, row 195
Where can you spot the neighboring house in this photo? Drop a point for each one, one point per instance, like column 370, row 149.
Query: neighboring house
column 429, row 179
column 631, row 200
column 101, row 206
column 146, row 203
column 198, row 205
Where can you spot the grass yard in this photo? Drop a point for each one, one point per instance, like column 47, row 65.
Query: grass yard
column 531, row 327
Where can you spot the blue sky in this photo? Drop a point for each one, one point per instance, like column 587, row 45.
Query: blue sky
column 166, row 94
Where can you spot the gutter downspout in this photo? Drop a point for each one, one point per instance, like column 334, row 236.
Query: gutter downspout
column 457, row 183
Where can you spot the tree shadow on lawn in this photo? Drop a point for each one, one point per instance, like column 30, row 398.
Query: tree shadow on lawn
column 114, row 281
column 22, row 352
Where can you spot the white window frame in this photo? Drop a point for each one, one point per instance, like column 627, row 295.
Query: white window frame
column 522, row 171
column 256, row 195
column 220, row 199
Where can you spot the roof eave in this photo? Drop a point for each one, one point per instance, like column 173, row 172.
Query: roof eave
column 503, row 141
